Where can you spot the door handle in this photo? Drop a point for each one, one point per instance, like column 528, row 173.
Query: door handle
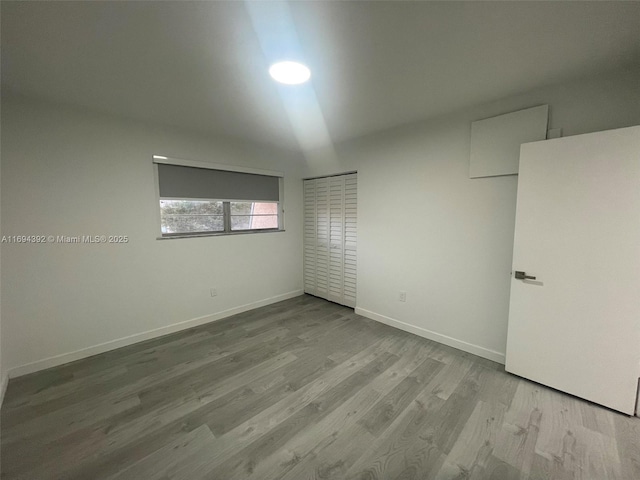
column 524, row 276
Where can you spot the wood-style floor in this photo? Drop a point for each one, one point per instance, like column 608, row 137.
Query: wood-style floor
column 303, row 389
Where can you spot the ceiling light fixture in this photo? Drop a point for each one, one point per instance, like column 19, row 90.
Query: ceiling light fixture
column 289, row 73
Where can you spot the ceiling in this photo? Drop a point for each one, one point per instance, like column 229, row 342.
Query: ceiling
column 375, row 65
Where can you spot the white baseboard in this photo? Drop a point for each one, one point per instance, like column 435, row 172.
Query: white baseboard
column 4, row 381
column 436, row 337
column 140, row 337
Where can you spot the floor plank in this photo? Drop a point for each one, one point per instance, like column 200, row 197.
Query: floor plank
column 303, row 389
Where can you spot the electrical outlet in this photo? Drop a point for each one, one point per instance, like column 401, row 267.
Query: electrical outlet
column 214, row 292
column 402, row 296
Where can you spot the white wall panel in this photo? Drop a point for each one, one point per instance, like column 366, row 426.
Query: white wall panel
column 495, row 141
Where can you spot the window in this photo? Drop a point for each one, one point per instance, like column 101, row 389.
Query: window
column 253, row 215
column 200, row 200
column 191, row 216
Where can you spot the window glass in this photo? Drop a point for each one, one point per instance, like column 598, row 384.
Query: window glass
column 191, row 216
column 253, row 215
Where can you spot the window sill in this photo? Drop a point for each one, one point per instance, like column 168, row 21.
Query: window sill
column 218, row 234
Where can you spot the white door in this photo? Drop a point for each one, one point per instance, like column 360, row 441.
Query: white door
column 576, row 326
column 322, row 237
column 330, row 238
column 350, row 238
column 336, row 239
column 309, row 239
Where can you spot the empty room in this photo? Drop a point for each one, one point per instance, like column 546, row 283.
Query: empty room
column 338, row 240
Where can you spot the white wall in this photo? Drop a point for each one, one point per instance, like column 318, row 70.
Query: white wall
column 73, row 172
column 425, row 228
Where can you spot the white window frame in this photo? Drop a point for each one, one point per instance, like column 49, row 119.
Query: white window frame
column 226, row 203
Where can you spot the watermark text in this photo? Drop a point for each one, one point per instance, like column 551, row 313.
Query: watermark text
column 64, row 239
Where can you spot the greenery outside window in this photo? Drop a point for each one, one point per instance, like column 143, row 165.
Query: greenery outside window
column 191, row 216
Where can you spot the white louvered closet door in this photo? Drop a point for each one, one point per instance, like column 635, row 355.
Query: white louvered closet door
column 309, row 242
column 330, row 238
column 322, row 237
column 350, row 238
column 336, row 239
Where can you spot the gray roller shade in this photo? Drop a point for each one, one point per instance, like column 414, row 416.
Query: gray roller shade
column 189, row 182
